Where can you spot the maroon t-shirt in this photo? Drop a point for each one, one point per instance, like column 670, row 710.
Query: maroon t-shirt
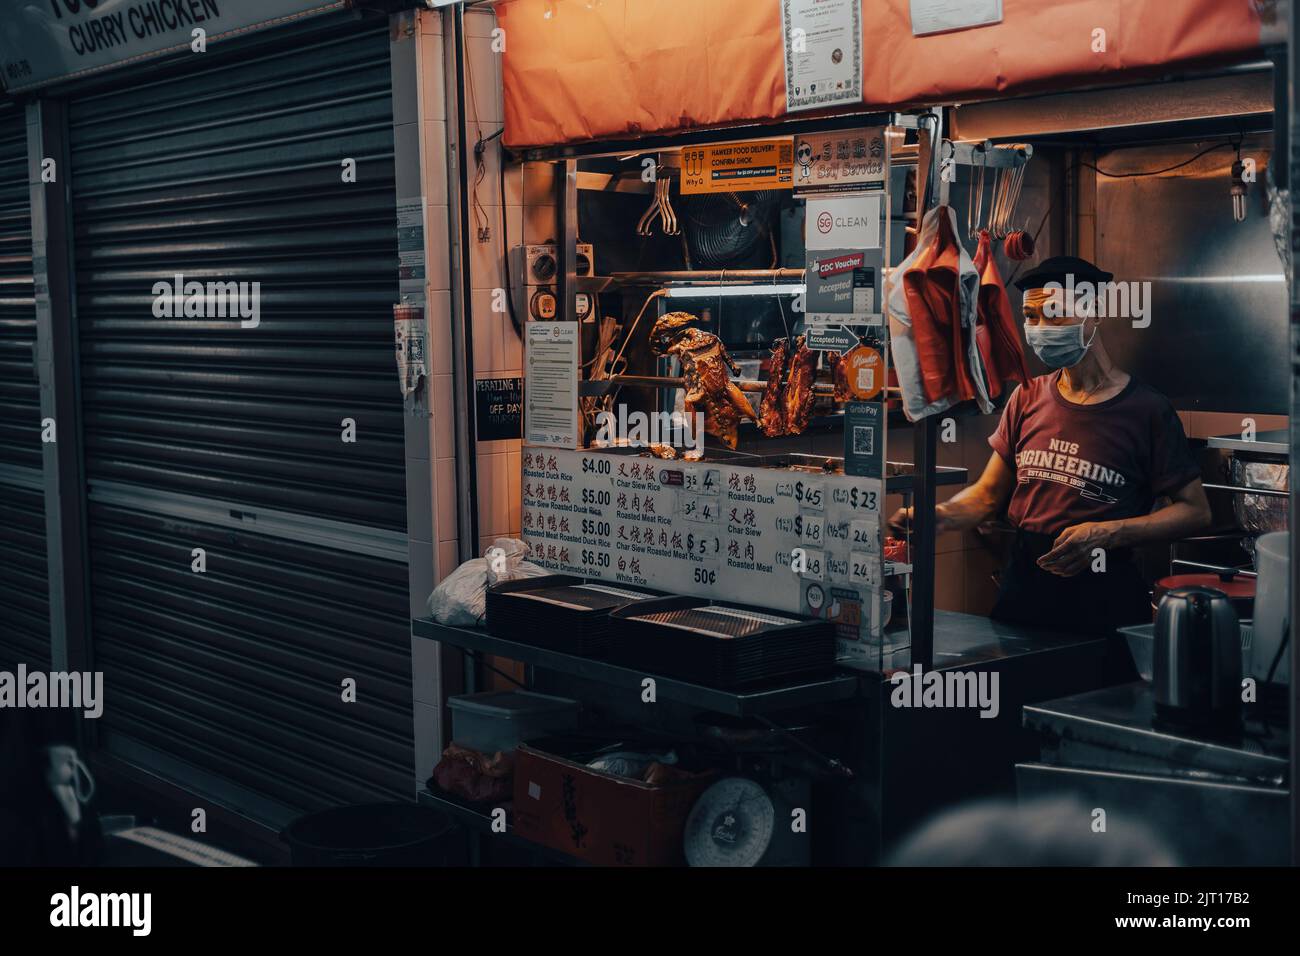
column 1101, row 462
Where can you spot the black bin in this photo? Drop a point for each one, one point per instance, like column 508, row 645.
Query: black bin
column 375, row 834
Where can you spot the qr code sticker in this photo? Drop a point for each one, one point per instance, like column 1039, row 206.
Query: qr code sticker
column 864, row 440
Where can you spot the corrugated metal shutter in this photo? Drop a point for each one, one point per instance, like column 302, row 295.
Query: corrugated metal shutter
column 203, row 434
column 24, row 601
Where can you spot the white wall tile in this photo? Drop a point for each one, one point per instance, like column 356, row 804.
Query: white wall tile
column 420, row 575
column 425, row 667
column 514, row 184
column 443, row 420
column 406, row 148
column 419, row 498
column 433, row 78
column 514, row 471
column 483, row 69
column 437, row 252
column 539, row 184
column 479, row 21
column 428, row 737
column 438, row 315
column 539, row 224
column 415, row 425
column 444, row 478
column 402, row 56
column 512, row 348
column 435, row 162
column 447, row 562
column 486, row 257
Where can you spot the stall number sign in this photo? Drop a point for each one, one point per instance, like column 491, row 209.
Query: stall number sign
column 729, row 167
column 498, row 404
column 42, row 41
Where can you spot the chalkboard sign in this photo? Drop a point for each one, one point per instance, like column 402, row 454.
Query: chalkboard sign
column 499, row 402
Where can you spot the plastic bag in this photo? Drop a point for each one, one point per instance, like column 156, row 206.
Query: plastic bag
column 631, row 763
column 461, row 598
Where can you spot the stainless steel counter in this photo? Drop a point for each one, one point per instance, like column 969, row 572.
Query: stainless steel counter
column 966, row 640
column 1212, row 803
column 1113, row 729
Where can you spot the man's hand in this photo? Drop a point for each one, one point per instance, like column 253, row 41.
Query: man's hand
column 900, row 522
column 1072, row 550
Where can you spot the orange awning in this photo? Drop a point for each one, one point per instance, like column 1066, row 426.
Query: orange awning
column 579, row 70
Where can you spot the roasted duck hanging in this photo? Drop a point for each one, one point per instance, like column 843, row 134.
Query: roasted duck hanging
column 788, row 396
column 705, row 365
column 771, row 412
column 798, row 397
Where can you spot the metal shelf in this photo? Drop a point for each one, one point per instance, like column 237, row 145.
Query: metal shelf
column 1265, row 443
column 840, row 686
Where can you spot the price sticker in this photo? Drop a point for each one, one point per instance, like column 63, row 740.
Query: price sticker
column 864, row 496
column 811, row 495
column 700, row 508
column 864, row 569
column 864, row 533
column 813, row 566
column 702, row 481
column 813, row 530
column 703, row 546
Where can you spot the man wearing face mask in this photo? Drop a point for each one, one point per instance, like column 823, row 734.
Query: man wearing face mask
column 1080, row 459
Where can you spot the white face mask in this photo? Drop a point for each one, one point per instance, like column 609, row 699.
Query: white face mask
column 1059, row 346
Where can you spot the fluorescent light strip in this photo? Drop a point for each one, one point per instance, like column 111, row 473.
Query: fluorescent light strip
column 717, row 291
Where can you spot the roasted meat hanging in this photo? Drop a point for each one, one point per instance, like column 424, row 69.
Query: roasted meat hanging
column 839, row 365
column 771, row 412
column 997, row 333
column 705, row 365
column 798, row 397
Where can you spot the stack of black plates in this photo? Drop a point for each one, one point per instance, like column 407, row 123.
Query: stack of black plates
column 558, row 612
column 720, row 645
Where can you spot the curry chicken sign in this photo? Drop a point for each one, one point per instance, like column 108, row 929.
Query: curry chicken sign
column 44, row 41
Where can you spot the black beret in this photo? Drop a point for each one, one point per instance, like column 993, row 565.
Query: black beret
column 1057, row 268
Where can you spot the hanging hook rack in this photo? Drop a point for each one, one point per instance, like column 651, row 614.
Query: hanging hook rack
column 1007, row 163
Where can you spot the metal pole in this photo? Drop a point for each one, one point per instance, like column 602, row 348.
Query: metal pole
column 924, row 444
column 566, row 202
column 58, row 370
column 1284, row 119
column 925, row 434
column 462, row 326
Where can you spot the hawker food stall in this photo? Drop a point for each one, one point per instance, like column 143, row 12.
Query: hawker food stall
column 778, row 350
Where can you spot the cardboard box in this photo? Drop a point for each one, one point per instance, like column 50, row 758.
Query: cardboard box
column 598, row 817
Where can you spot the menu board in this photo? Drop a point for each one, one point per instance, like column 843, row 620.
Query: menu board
column 782, row 539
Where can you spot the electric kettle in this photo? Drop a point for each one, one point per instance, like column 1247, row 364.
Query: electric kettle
column 1197, row 662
